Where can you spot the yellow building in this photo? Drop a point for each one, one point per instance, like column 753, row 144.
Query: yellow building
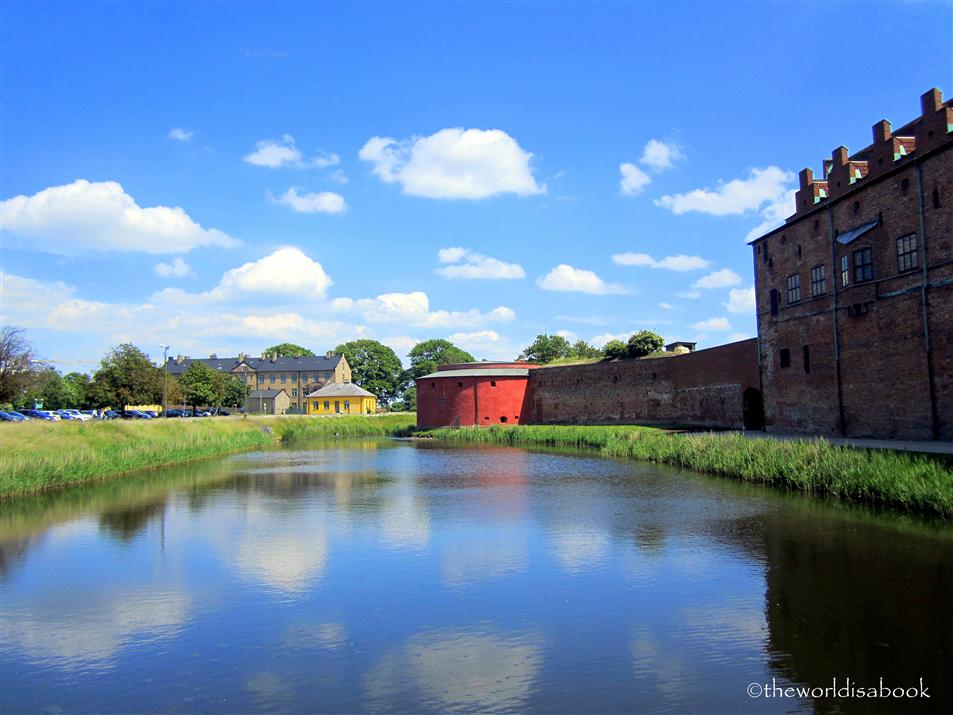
column 341, row 399
column 297, row 376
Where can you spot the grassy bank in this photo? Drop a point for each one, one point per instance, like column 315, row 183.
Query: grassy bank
column 38, row 456
column 907, row 482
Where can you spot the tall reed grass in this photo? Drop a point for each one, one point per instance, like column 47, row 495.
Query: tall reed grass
column 906, row 482
column 38, row 456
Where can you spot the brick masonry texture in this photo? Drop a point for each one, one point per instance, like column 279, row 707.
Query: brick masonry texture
column 703, row 388
column 860, row 361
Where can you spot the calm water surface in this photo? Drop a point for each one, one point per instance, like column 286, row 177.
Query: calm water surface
column 384, row 576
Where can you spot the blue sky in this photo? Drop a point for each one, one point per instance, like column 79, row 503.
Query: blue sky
column 224, row 177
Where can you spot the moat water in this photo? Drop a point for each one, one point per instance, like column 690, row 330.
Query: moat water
column 386, row 576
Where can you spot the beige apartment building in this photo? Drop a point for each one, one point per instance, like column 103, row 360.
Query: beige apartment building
column 297, row 376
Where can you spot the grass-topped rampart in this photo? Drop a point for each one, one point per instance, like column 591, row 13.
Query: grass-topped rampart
column 38, row 456
column 906, row 482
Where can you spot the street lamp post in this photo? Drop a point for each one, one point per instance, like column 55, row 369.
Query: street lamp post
column 165, row 362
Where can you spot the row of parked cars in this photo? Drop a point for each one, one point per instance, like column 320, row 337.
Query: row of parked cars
column 88, row 415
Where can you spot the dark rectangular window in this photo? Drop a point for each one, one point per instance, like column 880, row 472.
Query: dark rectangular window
column 794, row 288
column 844, row 272
column 785, row 357
column 818, row 281
column 774, row 301
column 907, row 256
column 807, row 358
column 863, row 265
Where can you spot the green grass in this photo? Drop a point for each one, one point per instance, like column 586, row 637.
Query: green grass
column 38, row 456
column 905, row 482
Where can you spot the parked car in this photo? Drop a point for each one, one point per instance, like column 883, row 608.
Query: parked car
column 135, row 415
column 223, row 413
column 18, row 414
column 175, row 413
column 43, row 415
column 152, row 413
column 76, row 413
column 111, row 415
column 6, row 417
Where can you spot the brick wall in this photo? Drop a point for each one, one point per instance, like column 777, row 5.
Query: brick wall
column 702, row 388
column 877, row 326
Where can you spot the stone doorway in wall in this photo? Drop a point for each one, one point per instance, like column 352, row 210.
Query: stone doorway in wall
column 752, row 409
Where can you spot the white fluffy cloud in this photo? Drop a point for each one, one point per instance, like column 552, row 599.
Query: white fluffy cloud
column 774, row 215
column 287, row 271
column 725, row 278
column 413, row 309
column 660, row 155
column 326, row 202
column 734, row 197
column 735, row 337
column 600, row 340
column 454, row 163
column 101, row 216
column 180, row 135
column 741, row 300
column 578, row 280
column 679, row 262
column 713, row 324
column 633, row 181
column 177, row 269
column 473, row 265
column 276, row 153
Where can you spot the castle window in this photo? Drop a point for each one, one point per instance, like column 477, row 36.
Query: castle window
column 794, row 288
column 327, row 404
column 807, row 358
column 863, row 265
column 785, row 356
column 294, row 378
column 284, row 378
column 492, row 383
column 503, row 420
column 907, row 256
column 799, row 251
column 261, row 378
column 818, row 281
column 844, row 272
column 936, row 198
column 774, row 301
column 271, row 378
column 294, row 392
column 459, row 384
column 904, row 185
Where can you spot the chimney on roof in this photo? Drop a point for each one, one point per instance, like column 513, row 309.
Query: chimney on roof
column 806, row 178
column 881, row 131
column 931, row 101
column 241, row 357
column 274, row 357
column 840, row 156
column 329, row 354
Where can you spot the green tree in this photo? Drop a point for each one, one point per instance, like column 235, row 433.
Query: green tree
column 127, row 377
column 200, row 385
column 407, row 402
column 287, row 350
column 232, row 390
column 76, row 385
column 425, row 357
column 47, row 387
column 17, row 369
column 615, row 350
column 583, row 350
column 546, row 348
column 643, row 343
column 375, row 367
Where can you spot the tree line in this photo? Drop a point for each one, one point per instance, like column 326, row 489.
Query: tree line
column 126, row 375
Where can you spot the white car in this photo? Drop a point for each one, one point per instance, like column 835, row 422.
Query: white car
column 77, row 415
